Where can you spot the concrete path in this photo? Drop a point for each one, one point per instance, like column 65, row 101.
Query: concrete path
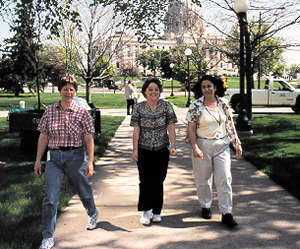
column 268, row 216
column 122, row 112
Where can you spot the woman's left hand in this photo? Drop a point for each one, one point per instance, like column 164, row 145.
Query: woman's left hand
column 238, row 151
column 173, row 151
column 89, row 170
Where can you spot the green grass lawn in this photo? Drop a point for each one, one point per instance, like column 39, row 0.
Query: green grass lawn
column 274, row 148
column 21, row 192
column 102, row 101
column 180, row 101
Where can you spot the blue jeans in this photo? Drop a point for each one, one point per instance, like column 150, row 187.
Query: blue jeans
column 72, row 163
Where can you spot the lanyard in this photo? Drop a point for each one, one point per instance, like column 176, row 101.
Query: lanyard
column 218, row 121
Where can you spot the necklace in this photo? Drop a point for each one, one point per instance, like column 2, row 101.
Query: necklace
column 217, row 120
column 211, row 102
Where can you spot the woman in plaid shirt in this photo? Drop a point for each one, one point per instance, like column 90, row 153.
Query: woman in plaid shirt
column 67, row 130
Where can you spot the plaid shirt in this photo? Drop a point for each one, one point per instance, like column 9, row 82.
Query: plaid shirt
column 66, row 127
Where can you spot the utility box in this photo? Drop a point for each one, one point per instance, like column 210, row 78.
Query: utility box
column 25, row 121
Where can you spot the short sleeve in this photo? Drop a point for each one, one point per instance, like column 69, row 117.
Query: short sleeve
column 171, row 116
column 192, row 113
column 43, row 124
column 87, row 123
column 135, row 116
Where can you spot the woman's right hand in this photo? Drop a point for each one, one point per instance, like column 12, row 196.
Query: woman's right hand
column 38, row 168
column 197, row 152
column 134, row 155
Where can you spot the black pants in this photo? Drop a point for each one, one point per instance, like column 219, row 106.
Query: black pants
column 130, row 102
column 152, row 166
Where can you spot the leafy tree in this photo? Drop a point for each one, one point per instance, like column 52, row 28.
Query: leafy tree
column 50, row 10
column 278, row 70
column 166, row 60
column 88, row 50
column 8, row 80
column 266, row 54
column 151, row 59
column 294, row 69
column 22, row 46
column 103, row 65
column 128, row 70
column 272, row 18
column 54, row 68
column 145, row 17
column 180, row 70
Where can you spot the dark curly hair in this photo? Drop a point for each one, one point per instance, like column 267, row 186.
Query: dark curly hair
column 218, row 83
column 148, row 82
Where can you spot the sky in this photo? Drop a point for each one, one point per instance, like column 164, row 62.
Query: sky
column 291, row 55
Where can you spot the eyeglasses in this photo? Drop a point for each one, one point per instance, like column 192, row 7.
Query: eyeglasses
column 206, row 86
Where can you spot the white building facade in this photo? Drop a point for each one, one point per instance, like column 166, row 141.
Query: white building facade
column 183, row 27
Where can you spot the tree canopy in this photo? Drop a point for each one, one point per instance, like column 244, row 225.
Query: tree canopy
column 145, row 17
column 266, row 51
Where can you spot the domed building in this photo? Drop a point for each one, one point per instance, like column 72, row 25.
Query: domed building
column 183, row 27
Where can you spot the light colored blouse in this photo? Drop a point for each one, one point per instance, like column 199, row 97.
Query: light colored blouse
column 195, row 111
column 211, row 123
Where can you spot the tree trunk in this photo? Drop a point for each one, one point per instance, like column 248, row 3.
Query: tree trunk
column 88, row 94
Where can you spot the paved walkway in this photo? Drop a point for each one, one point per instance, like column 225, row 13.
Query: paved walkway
column 269, row 217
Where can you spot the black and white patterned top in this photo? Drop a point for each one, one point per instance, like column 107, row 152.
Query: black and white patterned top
column 153, row 124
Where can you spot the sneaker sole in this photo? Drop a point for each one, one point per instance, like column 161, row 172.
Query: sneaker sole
column 156, row 221
column 89, row 228
column 50, row 246
column 145, row 223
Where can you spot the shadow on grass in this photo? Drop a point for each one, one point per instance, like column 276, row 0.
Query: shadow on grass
column 274, row 149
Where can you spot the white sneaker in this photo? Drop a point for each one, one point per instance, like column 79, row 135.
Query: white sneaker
column 156, row 218
column 146, row 216
column 92, row 221
column 47, row 243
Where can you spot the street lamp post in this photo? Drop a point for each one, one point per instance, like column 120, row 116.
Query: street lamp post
column 188, row 53
column 171, row 66
column 241, row 7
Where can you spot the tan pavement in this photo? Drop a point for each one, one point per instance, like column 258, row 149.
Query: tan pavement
column 268, row 216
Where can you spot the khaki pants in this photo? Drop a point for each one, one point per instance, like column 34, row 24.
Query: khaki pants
column 216, row 164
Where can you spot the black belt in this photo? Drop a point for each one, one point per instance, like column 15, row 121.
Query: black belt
column 65, row 148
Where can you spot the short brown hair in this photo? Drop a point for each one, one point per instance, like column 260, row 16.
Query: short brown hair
column 68, row 79
column 148, row 82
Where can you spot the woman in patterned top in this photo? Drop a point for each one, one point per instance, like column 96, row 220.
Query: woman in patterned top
column 210, row 129
column 67, row 130
column 153, row 141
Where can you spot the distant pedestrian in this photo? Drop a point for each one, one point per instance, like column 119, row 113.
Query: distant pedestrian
column 67, row 130
column 153, row 141
column 267, row 84
column 211, row 129
column 129, row 95
column 135, row 94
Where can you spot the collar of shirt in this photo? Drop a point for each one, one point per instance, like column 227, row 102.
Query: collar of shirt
column 72, row 108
